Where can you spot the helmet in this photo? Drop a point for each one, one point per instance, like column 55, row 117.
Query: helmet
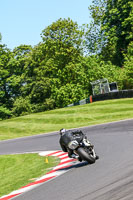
column 63, row 130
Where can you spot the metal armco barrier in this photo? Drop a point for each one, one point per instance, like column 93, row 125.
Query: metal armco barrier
column 82, row 102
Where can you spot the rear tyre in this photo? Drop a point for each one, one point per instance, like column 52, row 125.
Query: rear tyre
column 85, row 156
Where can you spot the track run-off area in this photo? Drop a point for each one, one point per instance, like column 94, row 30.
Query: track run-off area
column 110, row 178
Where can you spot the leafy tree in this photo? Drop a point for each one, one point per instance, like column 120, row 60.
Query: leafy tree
column 56, row 73
column 18, row 62
column 48, row 104
column 51, row 64
column 20, row 56
column 93, row 31
column 67, row 94
column 21, row 106
column 111, row 30
column 5, row 95
column 40, row 91
column 126, row 76
column 12, row 69
column 63, row 41
column 4, row 113
column 11, row 73
column 37, row 86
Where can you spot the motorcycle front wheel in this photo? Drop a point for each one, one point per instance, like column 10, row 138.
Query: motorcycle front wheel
column 85, row 156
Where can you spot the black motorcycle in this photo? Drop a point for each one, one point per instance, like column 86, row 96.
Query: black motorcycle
column 83, row 148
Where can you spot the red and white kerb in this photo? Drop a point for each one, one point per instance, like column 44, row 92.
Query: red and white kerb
column 65, row 163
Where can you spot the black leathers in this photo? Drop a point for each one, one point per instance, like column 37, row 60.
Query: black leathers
column 69, row 136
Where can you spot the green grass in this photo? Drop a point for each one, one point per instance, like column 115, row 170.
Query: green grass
column 19, row 170
column 71, row 117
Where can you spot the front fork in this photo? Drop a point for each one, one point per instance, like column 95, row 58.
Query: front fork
column 93, row 153
column 90, row 147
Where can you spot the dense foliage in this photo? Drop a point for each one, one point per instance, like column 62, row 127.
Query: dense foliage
column 111, row 30
column 58, row 70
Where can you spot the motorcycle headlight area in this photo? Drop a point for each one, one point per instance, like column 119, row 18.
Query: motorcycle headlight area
column 73, row 144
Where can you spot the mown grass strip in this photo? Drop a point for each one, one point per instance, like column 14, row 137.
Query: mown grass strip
column 71, row 117
column 19, row 170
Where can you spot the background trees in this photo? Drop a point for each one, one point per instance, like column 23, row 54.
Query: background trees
column 5, row 71
column 112, row 28
column 58, row 70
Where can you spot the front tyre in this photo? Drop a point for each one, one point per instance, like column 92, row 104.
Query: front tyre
column 85, row 156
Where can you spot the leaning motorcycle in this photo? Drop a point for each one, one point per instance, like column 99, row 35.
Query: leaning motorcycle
column 84, row 149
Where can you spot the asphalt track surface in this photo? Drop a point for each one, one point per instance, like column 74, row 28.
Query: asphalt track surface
column 110, row 178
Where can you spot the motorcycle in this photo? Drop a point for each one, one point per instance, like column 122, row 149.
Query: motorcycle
column 84, row 149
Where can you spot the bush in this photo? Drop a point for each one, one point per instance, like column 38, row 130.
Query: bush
column 49, row 104
column 68, row 94
column 22, row 106
column 128, row 68
column 4, row 113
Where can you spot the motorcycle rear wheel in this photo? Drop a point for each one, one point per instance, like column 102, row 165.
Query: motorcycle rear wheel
column 85, row 156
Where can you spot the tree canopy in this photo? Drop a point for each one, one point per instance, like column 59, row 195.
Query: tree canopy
column 112, row 28
column 57, row 72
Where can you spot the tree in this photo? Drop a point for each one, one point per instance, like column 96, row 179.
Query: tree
column 17, row 63
column 63, row 41
column 20, row 56
column 126, row 76
column 51, row 64
column 4, row 113
column 93, row 31
column 21, row 106
column 113, row 21
column 5, row 95
column 11, row 73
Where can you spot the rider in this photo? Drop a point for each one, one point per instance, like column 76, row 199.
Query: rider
column 67, row 135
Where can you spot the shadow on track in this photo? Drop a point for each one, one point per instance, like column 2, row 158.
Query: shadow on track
column 75, row 165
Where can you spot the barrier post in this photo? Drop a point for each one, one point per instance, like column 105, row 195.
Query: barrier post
column 91, row 99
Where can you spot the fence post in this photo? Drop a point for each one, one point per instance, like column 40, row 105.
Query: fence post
column 91, row 99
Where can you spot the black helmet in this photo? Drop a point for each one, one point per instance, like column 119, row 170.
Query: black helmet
column 63, row 130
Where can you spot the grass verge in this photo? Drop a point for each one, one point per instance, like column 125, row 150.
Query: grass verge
column 20, row 169
column 71, row 117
